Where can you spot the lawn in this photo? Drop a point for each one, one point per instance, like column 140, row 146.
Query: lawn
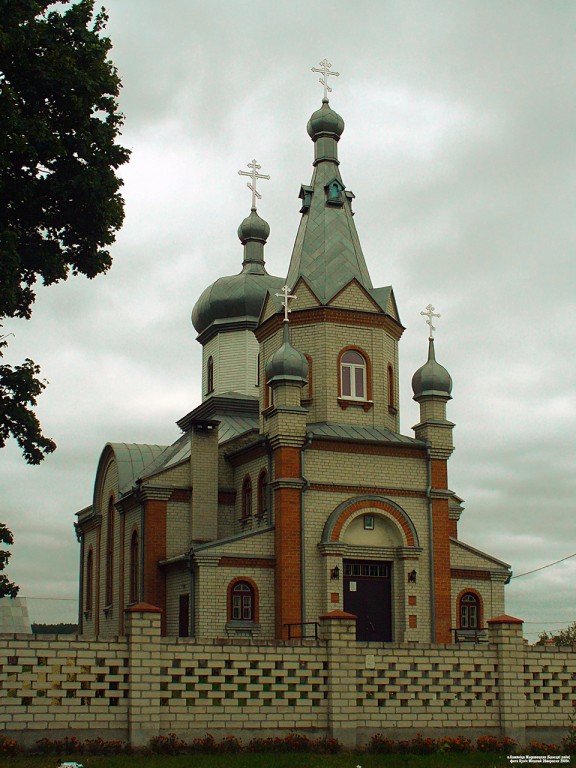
column 251, row 760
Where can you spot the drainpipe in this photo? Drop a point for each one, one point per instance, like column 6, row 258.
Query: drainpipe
column 431, row 539
column 192, row 597
column 307, row 444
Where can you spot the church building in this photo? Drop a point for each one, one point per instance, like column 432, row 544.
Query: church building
column 291, row 492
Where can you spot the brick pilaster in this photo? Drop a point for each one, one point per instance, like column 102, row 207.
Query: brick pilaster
column 155, row 502
column 441, row 548
column 339, row 630
column 288, row 528
column 505, row 632
column 143, row 630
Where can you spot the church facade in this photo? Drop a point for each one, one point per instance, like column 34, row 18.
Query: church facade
column 291, row 492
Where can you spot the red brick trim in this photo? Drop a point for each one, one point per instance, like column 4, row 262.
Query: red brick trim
column 442, row 576
column 505, row 619
column 247, row 562
column 121, row 569
column 466, row 573
column 143, row 608
column 478, row 596
column 439, row 473
column 180, row 494
column 373, row 504
column 337, row 446
column 337, row 615
column 97, row 583
column 337, row 315
column 227, row 498
column 357, row 489
column 154, row 551
column 256, row 604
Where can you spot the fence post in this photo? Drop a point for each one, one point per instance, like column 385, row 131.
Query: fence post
column 339, row 630
column 143, row 630
column 505, row 632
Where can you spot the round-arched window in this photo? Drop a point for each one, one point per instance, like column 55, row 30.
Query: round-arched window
column 469, row 611
column 242, row 608
column 353, row 375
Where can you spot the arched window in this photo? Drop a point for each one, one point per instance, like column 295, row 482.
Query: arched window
column 470, row 611
column 110, row 553
column 353, row 375
column 89, row 581
column 246, row 498
column 391, row 401
column 262, row 502
column 210, row 375
column 242, row 602
column 134, row 567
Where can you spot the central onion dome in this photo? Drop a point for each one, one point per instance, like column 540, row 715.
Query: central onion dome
column 287, row 363
column 239, row 297
column 324, row 121
column 432, row 378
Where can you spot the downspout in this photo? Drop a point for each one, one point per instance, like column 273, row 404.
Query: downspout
column 431, row 539
column 192, row 597
column 307, row 444
column 80, row 538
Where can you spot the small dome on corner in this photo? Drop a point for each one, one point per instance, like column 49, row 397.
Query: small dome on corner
column 253, row 228
column 432, row 378
column 325, row 120
column 287, row 363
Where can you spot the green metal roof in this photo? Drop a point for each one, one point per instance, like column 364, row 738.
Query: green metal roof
column 353, row 433
column 132, row 459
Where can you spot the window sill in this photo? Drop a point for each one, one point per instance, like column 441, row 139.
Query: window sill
column 87, row 615
column 345, row 402
column 392, row 409
column 107, row 611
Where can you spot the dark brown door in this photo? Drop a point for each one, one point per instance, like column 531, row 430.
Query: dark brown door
column 368, row 595
column 183, row 616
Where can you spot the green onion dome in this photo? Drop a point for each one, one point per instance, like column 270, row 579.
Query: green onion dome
column 287, row 363
column 324, row 121
column 432, row 378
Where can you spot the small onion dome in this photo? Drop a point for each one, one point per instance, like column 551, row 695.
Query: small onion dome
column 432, row 378
column 325, row 120
column 287, row 363
column 236, row 296
column 253, row 228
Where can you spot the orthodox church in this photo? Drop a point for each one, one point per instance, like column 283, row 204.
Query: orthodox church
column 291, row 492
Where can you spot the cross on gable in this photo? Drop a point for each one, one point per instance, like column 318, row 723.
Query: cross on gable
column 286, row 296
column 325, row 72
column 429, row 313
column 254, row 175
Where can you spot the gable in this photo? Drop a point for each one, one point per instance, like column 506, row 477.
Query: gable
column 464, row 556
column 354, row 296
column 392, row 308
column 269, row 308
column 305, row 297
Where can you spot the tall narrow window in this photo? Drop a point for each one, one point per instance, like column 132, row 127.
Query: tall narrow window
column 210, row 375
column 246, row 498
column 134, row 567
column 391, row 400
column 353, row 375
column 242, row 608
column 110, row 554
column 262, row 493
column 469, row 611
column 89, row 580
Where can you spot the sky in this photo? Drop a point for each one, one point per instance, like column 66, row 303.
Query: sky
column 459, row 146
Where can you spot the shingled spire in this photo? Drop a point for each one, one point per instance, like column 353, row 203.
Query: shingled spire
column 327, row 251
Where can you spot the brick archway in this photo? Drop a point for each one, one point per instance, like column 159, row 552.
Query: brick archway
column 342, row 514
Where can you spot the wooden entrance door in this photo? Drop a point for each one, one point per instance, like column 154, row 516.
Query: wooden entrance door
column 368, row 595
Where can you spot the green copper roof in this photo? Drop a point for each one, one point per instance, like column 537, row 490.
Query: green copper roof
column 431, row 379
column 327, row 250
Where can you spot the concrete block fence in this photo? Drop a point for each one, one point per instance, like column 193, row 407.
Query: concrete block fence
column 142, row 685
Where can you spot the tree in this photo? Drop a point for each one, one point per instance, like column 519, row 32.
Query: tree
column 7, row 588
column 564, row 637
column 59, row 192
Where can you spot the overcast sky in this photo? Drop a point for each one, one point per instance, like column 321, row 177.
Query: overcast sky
column 460, row 148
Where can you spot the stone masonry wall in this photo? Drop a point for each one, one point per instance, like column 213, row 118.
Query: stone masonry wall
column 142, row 685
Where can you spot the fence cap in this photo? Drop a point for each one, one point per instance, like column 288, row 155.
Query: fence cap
column 505, row 619
column 143, row 608
column 338, row 615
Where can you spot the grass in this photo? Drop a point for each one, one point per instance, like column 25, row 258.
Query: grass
column 251, row 760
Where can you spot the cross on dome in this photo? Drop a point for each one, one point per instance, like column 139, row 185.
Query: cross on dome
column 254, row 175
column 286, row 296
column 325, row 71
column 430, row 314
